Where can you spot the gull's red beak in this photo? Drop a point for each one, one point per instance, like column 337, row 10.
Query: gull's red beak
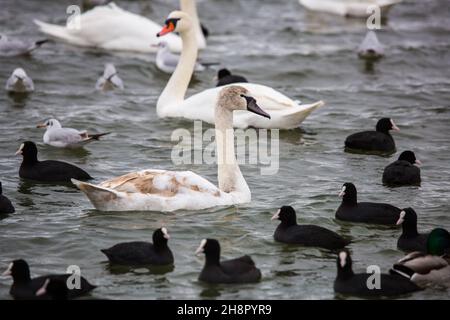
column 166, row 29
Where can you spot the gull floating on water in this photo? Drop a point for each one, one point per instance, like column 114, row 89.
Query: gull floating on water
column 167, row 61
column 60, row 137
column 370, row 48
column 15, row 47
column 109, row 80
column 19, row 82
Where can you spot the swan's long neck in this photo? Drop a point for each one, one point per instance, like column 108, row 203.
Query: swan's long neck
column 190, row 7
column 228, row 173
column 176, row 88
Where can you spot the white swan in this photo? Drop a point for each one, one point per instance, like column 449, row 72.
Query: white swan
column 351, row 8
column 160, row 190
column 112, row 28
column 285, row 113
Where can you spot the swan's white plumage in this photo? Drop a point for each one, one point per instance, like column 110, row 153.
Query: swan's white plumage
column 112, row 28
column 161, row 190
column 354, row 8
column 285, row 113
column 157, row 190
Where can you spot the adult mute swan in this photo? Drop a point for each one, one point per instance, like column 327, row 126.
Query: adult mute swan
column 285, row 113
column 161, row 190
column 112, row 28
column 350, row 8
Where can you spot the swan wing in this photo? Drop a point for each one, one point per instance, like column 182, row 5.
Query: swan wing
column 202, row 104
column 155, row 190
column 161, row 182
column 285, row 113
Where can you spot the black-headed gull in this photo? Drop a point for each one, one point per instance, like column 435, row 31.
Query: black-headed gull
column 167, row 61
column 60, row 137
column 370, row 48
column 15, row 47
column 19, row 81
column 109, row 80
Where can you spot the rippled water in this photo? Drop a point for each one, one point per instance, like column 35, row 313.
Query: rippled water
column 306, row 55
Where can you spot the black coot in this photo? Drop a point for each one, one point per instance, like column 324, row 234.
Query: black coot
column 24, row 287
column 367, row 212
column 49, row 170
column 359, row 284
column 404, row 171
column 288, row 231
column 239, row 270
column 55, row 289
column 142, row 253
column 5, row 204
column 373, row 142
column 411, row 240
column 225, row 77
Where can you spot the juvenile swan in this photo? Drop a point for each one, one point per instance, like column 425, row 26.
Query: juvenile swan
column 162, row 190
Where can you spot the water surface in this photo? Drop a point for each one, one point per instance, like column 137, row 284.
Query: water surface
column 306, row 55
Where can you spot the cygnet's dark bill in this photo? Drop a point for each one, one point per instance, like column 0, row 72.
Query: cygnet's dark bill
column 253, row 107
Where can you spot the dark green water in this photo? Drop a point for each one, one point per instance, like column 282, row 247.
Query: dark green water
column 306, row 55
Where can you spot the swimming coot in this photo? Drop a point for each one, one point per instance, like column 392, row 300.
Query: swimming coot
column 349, row 283
column 239, row 270
column 373, row 142
column 367, row 212
column 5, row 204
column 142, row 253
column 24, row 287
column 55, row 289
column 49, row 170
column 410, row 240
column 288, row 231
column 404, row 171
